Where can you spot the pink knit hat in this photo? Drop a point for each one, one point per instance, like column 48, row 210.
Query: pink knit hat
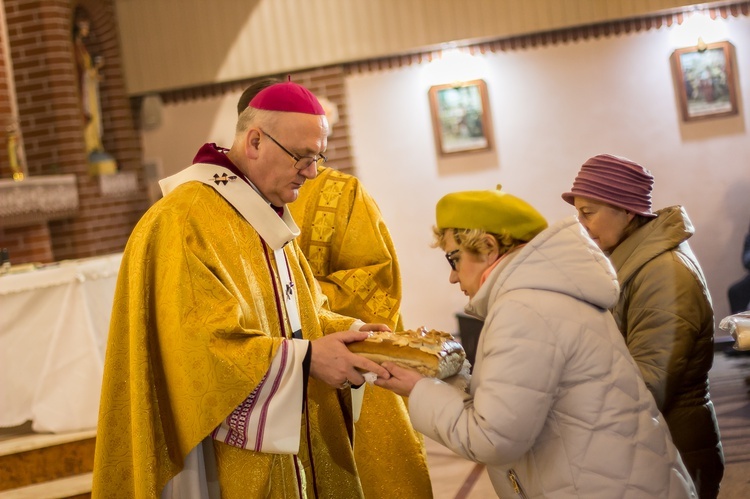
column 616, row 181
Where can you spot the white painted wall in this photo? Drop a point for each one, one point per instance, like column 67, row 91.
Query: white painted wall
column 552, row 108
column 188, row 125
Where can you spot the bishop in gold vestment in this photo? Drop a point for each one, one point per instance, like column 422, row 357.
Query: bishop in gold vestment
column 353, row 258
column 225, row 373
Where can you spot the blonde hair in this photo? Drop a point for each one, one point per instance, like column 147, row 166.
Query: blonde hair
column 474, row 241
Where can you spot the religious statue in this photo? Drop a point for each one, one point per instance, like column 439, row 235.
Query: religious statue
column 89, row 76
column 16, row 159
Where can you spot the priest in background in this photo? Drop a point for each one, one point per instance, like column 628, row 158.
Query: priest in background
column 225, row 371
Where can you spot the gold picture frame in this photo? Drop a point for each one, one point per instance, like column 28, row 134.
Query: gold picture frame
column 705, row 81
column 461, row 117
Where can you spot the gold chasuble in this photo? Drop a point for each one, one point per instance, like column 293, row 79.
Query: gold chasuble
column 198, row 332
column 353, row 258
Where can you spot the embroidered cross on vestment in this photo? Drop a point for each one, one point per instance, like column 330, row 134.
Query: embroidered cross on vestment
column 224, row 178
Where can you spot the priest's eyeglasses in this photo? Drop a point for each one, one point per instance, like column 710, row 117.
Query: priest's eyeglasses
column 300, row 162
column 452, row 258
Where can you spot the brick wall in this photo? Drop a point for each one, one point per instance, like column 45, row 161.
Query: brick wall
column 326, row 82
column 40, row 36
column 31, row 242
column 329, row 82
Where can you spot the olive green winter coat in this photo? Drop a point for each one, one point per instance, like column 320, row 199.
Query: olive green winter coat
column 665, row 313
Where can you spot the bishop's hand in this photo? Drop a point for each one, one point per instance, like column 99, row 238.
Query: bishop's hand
column 333, row 363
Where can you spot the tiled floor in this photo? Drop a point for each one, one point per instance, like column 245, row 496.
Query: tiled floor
column 456, row 478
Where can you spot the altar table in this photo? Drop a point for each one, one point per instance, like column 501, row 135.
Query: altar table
column 54, row 322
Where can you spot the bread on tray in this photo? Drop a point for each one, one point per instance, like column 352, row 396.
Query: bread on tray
column 433, row 353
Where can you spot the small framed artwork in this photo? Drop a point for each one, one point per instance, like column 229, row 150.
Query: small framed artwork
column 460, row 117
column 704, row 79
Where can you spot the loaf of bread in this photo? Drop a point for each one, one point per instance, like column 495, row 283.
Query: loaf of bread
column 433, row 353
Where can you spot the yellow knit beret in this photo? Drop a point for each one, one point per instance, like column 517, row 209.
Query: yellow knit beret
column 493, row 211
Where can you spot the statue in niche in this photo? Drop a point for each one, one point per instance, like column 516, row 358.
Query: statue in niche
column 16, row 157
column 89, row 76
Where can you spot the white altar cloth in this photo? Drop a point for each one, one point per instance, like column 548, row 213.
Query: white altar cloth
column 53, row 334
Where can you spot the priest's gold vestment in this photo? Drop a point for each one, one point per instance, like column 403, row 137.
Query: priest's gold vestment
column 195, row 327
column 353, row 257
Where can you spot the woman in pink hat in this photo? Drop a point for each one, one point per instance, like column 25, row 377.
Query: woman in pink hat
column 664, row 309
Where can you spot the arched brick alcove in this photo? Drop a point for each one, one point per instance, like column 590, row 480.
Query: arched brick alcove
column 50, row 116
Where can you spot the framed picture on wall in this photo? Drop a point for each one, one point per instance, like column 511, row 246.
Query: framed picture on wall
column 460, row 117
column 705, row 81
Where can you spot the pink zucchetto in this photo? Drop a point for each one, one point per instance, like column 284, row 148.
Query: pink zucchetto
column 287, row 97
column 616, row 181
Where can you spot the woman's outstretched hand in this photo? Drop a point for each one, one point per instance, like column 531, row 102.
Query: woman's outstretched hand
column 402, row 380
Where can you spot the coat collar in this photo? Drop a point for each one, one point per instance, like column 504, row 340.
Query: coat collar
column 478, row 306
column 666, row 232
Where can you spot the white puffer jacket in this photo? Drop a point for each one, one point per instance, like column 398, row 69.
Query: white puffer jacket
column 557, row 407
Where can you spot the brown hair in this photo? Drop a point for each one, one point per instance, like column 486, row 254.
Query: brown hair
column 252, row 91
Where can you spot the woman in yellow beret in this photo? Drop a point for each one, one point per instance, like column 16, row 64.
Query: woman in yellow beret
column 555, row 406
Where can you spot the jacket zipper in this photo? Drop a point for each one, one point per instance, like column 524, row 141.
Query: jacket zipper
column 516, row 483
